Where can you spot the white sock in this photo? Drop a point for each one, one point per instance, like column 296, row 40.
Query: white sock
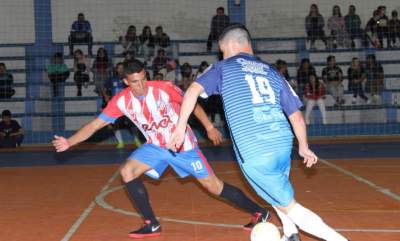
column 313, row 224
column 118, row 136
column 289, row 228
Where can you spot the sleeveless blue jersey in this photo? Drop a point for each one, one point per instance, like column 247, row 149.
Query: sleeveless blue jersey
column 255, row 98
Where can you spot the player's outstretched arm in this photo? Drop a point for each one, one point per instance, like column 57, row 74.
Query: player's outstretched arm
column 213, row 133
column 62, row 144
column 299, row 127
column 188, row 104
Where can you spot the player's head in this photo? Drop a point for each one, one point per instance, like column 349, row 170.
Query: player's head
column 6, row 116
column 234, row 40
column 135, row 76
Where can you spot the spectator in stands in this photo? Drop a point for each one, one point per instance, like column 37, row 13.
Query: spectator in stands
column 147, row 44
column 357, row 77
column 101, row 69
column 218, row 23
column 333, row 78
column 315, row 26
column 160, row 61
column 169, row 71
column 186, row 76
column 314, row 92
column 161, row 40
column 303, row 75
column 202, row 67
column 394, row 29
column 337, row 26
column 371, row 30
column 130, row 42
column 383, row 26
column 58, row 73
column 81, row 33
column 282, row 66
column 81, row 71
column 6, row 83
column 375, row 77
column 11, row 133
column 158, row 76
column 353, row 27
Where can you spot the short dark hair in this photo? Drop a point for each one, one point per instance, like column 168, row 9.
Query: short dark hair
column 371, row 56
column 394, row 13
column 3, row 65
column 330, row 57
column 232, row 27
column 221, row 9
column 81, row 14
column 132, row 66
column 159, row 27
column 6, row 113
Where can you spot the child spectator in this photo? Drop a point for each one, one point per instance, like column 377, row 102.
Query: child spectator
column 315, row 26
column 281, row 66
column 336, row 25
column 130, row 42
column 161, row 40
column 357, row 77
column 169, row 71
column 202, row 67
column 303, row 75
column 314, row 92
column 101, row 70
column 186, row 76
column 81, row 32
column 58, row 73
column 333, row 78
column 394, row 29
column 6, row 83
column 81, row 71
column 11, row 133
column 147, row 44
column 375, row 76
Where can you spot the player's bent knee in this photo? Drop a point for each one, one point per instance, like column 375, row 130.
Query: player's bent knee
column 130, row 171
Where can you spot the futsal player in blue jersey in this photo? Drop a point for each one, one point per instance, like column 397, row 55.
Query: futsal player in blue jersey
column 261, row 109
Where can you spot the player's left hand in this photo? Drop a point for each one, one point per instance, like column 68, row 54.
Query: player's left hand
column 214, row 135
column 309, row 157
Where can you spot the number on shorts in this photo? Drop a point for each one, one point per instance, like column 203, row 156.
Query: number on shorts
column 262, row 89
column 197, row 166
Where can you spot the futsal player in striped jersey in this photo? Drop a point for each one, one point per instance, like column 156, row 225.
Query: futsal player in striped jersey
column 256, row 98
column 153, row 106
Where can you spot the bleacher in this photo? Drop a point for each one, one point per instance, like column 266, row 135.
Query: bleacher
column 78, row 110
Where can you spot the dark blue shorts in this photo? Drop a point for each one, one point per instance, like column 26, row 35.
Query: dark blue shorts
column 184, row 163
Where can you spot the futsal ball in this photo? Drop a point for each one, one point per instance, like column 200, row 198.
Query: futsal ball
column 265, row 231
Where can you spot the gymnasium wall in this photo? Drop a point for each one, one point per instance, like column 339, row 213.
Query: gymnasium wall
column 285, row 18
column 17, row 23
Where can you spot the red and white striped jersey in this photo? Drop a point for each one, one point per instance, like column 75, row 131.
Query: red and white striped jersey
column 155, row 114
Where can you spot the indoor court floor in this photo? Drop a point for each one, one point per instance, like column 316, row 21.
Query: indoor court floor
column 78, row 195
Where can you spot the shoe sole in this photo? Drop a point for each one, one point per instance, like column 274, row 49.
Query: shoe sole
column 142, row 236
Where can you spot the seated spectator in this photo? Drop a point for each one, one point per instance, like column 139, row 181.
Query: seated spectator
column 11, row 133
column 81, row 33
column 101, row 69
column 161, row 40
column 218, row 23
column 6, row 83
column 303, row 75
column 353, row 27
column 336, row 25
column 160, row 61
column 383, row 26
column 375, row 76
column 315, row 26
column 58, row 73
column 81, row 70
column 357, row 78
column 186, row 76
column 394, row 29
column 202, row 67
column 332, row 76
column 169, row 71
column 147, row 44
column 281, row 66
column 130, row 42
column 158, row 76
column 371, row 30
column 314, row 92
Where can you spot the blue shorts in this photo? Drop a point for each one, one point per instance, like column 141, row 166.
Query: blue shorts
column 269, row 177
column 184, row 163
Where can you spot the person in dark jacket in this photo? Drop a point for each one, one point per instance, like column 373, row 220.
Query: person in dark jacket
column 218, row 23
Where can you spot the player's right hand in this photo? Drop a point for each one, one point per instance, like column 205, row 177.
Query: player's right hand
column 60, row 143
column 177, row 138
column 309, row 157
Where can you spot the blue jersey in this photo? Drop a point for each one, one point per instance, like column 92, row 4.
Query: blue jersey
column 255, row 98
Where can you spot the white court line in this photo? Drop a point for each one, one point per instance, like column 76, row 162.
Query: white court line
column 374, row 186
column 87, row 211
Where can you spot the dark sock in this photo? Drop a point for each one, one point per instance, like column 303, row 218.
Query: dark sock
column 138, row 193
column 237, row 197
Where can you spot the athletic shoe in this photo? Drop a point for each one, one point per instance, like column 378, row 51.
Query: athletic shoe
column 148, row 230
column 294, row 237
column 257, row 218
